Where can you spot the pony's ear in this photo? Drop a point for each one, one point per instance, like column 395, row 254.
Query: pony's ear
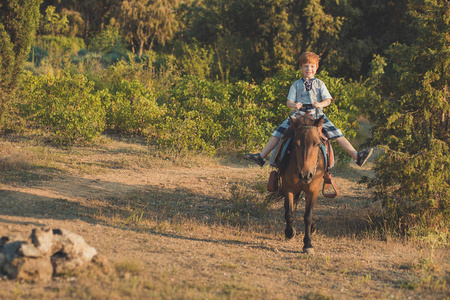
column 319, row 121
column 294, row 121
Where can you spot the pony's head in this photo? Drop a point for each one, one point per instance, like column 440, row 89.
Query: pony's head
column 307, row 145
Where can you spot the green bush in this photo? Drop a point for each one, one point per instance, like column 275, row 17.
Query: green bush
column 107, row 41
column 18, row 21
column 37, row 55
column 207, row 115
column 64, row 105
column 59, row 45
column 110, row 44
column 130, row 108
column 410, row 117
column 193, row 116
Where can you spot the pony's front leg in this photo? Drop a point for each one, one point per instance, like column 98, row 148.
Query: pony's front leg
column 289, row 232
column 308, row 218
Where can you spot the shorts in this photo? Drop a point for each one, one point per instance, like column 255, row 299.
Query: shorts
column 328, row 128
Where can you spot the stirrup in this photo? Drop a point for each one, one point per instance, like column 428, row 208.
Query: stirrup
column 327, row 183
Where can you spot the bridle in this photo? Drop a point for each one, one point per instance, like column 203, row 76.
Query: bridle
column 318, row 155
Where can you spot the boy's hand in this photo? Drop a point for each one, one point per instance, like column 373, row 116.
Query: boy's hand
column 316, row 105
column 298, row 105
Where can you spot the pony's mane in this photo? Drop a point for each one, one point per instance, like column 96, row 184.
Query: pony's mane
column 303, row 120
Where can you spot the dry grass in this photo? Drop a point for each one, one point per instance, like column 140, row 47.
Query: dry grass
column 201, row 228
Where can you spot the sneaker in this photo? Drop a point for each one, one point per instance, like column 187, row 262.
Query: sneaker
column 255, row 158
column 363, row 156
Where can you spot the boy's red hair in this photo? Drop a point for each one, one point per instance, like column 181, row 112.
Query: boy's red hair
column 309, row 58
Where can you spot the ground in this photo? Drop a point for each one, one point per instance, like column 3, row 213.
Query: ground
column 195, row 227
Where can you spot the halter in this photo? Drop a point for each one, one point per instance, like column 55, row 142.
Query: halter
column 318, row 155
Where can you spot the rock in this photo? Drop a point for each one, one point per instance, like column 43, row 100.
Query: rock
column 103, row 263
column 73, row 245
column 2, row 263
column 29, row 269
column 74, row 251
column 11, row 238
column 47, row 252
column 28, row 250
column 42, row 238
column 10, row 250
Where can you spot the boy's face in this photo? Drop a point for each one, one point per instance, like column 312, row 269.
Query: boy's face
column 309, row 70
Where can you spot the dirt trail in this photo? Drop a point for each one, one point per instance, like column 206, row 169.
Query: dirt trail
column 170, row 232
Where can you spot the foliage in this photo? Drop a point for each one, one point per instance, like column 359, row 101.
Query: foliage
column 53, row 23
column 411, row 121
column 86, row 18
column 368, row 28
column 59, row 46
column 196, row 61
column 145, row 22
column 64, row 105
column 110, row 44
column 193, row 118
column 107, row 41
column 130, row 107
column 75, row 23
column 37, row 56
column 206, row 115
column 18, row 21
column 251, row 38
column 319, row 29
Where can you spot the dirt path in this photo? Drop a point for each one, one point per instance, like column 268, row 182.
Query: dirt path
column 196, row 231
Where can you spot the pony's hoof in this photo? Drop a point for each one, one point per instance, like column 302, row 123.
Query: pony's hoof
column 289, row 233
column 309, row 251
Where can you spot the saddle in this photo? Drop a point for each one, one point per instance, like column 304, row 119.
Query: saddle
column 279, row 160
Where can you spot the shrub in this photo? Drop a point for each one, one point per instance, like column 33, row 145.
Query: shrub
column 193, row 116
column 207, row 115
column 410, row 115
column 130, row 107
column 64, row 105
column 37, row 55
column 18, row 21
column 59, row 45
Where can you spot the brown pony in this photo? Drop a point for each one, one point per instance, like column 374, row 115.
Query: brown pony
column 303, row 172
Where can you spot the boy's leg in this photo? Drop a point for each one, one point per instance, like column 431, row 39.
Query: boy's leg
column 271, row 144
column 360, row 157
column 259, row 158
column 345, row 144
column 331, row 132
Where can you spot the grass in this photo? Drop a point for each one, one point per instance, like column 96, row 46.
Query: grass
column 201, row 231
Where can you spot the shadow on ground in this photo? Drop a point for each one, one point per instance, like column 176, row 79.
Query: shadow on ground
column 143, row 207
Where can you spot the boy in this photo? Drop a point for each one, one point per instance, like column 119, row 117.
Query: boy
column 309, row 94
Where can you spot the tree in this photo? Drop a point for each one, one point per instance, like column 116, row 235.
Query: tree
column 53, row 23
column 18, row 23
column 265, row 24
column 146, row 22
column 252, row 38
column 411, row 121
column 368, row 27
column 317, row 29
column 94, row 14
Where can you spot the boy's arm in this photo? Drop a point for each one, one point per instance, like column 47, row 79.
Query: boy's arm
column 324, row 103
column 292, row 104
